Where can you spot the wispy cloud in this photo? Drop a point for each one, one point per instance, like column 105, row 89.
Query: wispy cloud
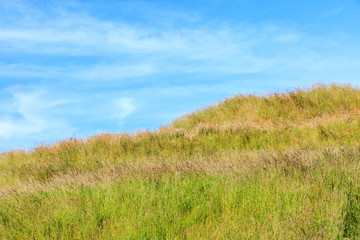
column 122, row 108
column 128, row 50
column 47, row 114
column 332, row 12
column 30, row 112
column 30, row 70
column 139, row 50
column 114, row 72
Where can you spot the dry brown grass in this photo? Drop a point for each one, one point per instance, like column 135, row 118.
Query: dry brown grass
column 241, row 164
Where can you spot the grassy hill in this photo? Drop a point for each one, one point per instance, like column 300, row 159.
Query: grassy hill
column 281, row 166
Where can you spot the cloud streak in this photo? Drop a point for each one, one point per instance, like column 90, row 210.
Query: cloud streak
column 30, row 112
column 140, row 50
column 40, row 112
column 115, row 72
column 127, row 50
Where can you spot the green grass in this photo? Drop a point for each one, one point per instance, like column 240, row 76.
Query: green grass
column 267, row 205
column 282, row 166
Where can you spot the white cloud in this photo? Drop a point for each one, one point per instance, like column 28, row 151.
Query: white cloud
column 137, row 51
column 115, row 72
column 46, row 114
column 30, row 112
column 148, row 51
column 30, row 70
column 123, row 107
column 134, row 50
column 332, row 12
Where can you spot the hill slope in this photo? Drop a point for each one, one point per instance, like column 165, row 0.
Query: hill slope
column 279, row 166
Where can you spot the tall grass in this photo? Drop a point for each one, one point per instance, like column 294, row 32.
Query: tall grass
column 301, row 104
column 282, row 166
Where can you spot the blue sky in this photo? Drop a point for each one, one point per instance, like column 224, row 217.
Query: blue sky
column 77, row 68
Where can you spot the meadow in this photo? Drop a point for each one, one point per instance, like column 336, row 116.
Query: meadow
column 280, row 166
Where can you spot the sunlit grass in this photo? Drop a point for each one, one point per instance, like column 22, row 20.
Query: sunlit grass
column 282, row 166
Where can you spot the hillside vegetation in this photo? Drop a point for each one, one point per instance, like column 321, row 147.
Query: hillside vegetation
column 281, row 166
